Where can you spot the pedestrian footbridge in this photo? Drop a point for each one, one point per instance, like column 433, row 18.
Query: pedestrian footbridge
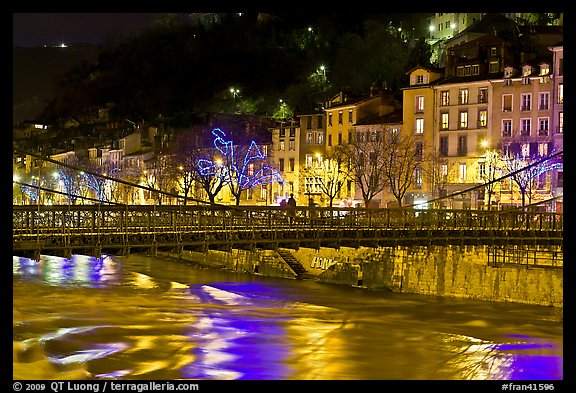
column 120, row 229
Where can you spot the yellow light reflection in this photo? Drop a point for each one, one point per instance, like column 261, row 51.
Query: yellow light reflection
column 143, row 281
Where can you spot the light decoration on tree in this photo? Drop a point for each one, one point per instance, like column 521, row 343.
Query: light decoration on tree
column 234, row 169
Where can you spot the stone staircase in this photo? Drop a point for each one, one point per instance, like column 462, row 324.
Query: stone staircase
column 293, row 263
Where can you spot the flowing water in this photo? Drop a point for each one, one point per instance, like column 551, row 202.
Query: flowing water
column 140, row 317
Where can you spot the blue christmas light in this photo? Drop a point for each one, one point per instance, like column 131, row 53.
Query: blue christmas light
column 231, row 169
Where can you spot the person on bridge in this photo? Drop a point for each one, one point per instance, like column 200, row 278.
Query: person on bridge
column 291, row 208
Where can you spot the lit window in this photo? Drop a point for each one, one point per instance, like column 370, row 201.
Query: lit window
column 444, row 170
column 462, row 172
column 463, row 119
column 445, row 98
column 444, row 121
column 419, row 125
column 525, row 149
column 561, row 93
column 543, row 149
column 463, row 96
column 419, row 104
column 418, row 177
column 526, row 70
column 482, row 118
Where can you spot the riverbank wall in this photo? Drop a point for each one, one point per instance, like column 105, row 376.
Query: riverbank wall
column 521, row 275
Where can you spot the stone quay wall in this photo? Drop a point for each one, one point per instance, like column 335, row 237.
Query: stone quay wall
column 451, row 271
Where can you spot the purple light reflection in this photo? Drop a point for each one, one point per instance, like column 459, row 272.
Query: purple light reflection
column 229, row 344
column 532, row 360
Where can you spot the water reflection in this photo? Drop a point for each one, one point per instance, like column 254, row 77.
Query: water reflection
column 80, row 270
column 145, row 318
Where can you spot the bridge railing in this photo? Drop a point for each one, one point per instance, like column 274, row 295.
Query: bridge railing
column 34, row 219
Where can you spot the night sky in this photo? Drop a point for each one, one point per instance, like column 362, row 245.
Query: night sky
column 39, row 29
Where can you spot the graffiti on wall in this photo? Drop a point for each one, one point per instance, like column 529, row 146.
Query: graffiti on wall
column 322, row 263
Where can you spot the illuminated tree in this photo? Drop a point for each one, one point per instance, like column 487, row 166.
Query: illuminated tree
column 241, row 167
column 490, row 172
column 330, row 172
column 72, row 180
column 525, row 169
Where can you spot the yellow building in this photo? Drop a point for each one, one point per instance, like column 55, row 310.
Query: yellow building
column 418, row 120
column 285, row 156
column 344, row 112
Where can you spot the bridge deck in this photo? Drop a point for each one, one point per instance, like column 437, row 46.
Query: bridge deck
column 119, row 228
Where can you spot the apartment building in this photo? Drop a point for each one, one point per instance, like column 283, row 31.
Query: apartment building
column 558, row 120
column 446, row 25
column 312, row 144
column 418, row 120
column 523, row 118
column 368, row 134
column 286, row 141
column 343, row 113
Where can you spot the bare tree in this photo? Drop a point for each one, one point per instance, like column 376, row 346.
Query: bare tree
column 192, row 154
column 159, row 176
column 439, row 171
column 400, row 165
column 366, row 155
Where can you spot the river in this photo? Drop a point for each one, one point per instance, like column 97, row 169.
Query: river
column 153, row 318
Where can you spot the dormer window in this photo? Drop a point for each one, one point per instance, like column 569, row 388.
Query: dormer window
column 419, row 79
column 544, row 69
column 508, row 72
column 526, row 70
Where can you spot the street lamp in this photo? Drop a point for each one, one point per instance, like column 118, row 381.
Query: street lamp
column 234, row 93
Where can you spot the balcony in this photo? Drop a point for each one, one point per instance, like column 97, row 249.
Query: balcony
column 506, row 133
column 542, row 132
column 525, row 108
column 482, row 124
column 559, row 130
